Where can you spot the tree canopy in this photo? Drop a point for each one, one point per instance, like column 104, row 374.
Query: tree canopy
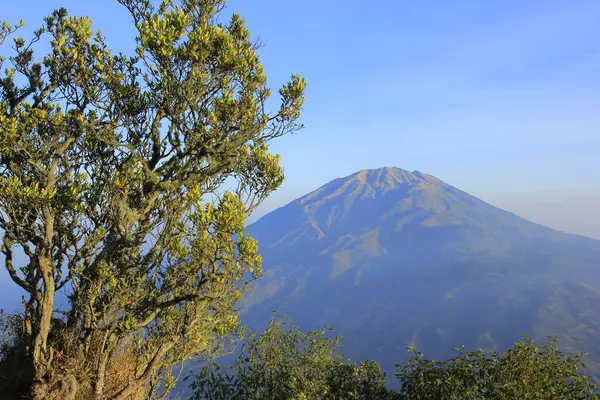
column 125, row 181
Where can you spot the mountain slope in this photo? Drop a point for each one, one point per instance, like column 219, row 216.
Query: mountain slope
column 391, row 257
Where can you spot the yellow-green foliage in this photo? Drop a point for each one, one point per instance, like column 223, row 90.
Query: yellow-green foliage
column 111, row 182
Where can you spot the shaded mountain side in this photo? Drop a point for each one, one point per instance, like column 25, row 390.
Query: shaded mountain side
column 391, row 257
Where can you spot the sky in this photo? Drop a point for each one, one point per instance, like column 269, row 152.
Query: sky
column 500, row 99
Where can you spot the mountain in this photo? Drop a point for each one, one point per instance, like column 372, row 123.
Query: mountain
column 390, row 257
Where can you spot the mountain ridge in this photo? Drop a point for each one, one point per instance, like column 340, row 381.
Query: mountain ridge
column 394, row 177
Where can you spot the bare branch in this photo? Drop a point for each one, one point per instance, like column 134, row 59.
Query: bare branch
column 8, row 263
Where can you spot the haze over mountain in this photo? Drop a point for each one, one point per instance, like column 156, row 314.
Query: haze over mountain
column 390, row 257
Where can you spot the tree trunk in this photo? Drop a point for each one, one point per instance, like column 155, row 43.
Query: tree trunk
column 69, row 387
column 100, row 374
column 106, row 350
column 41, row 357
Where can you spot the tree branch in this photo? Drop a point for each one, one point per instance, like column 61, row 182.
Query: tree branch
column 170, row 303
column 8, row 262
column 156, row 142
column 135, row 385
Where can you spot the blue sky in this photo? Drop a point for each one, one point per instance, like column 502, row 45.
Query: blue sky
column 500, row 99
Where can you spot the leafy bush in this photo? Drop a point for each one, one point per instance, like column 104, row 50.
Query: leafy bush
column 284, row 363
column 526, row 371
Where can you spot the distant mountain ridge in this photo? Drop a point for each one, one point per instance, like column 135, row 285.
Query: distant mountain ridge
column 414, row 191
column 391, row 257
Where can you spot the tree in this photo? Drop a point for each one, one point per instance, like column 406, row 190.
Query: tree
column 113, row 170
column 285, row 363
column 526, row 371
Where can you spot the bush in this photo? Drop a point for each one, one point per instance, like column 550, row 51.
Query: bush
column 526, row 371
column 284, row 363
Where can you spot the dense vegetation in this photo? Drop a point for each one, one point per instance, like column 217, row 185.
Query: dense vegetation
column 125, row 182
column 284, row 363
